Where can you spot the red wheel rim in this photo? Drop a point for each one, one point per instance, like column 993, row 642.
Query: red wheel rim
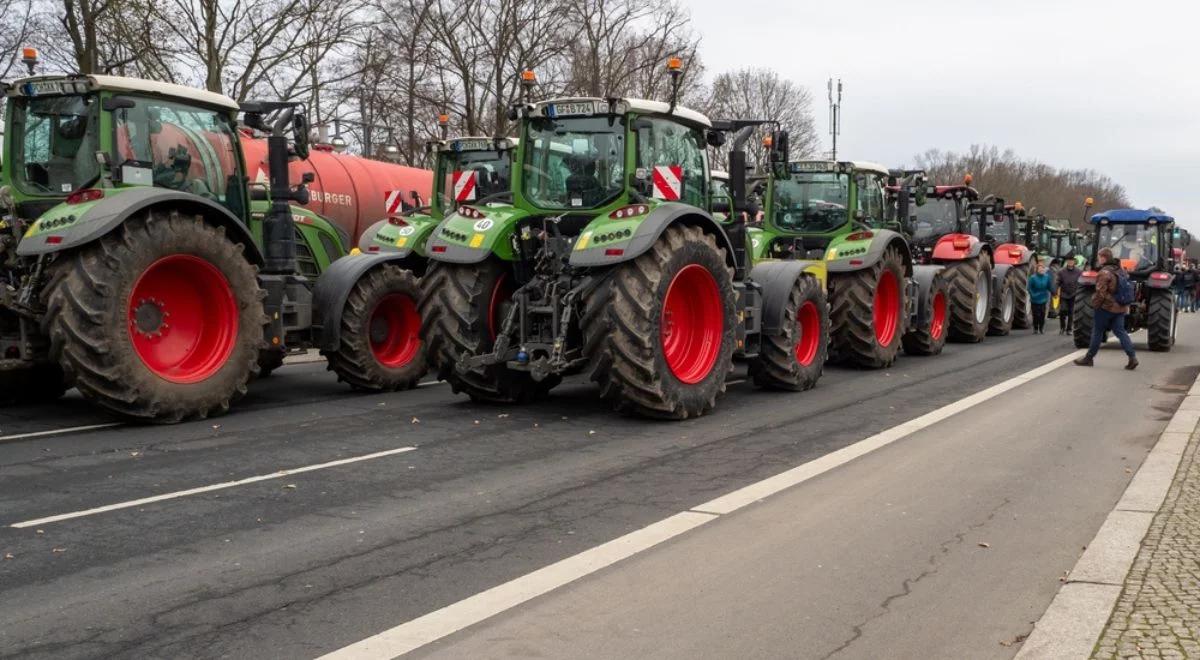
column 808, row 324
column 502, row 292
column 691, row 324
column 887, row 308
column 395, row 330
column 183, row 318
column 937, row 325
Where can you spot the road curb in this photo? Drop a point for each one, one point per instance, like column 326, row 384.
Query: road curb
column 1073, row 623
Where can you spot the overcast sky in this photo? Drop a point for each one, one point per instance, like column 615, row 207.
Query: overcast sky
column 1111, row 86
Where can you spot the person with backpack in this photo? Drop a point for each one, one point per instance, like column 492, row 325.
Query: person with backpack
column 1114, row 293
column 1039, row 296
column 1068, row 283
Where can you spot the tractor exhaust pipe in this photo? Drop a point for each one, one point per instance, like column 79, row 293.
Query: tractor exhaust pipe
column 279, row 230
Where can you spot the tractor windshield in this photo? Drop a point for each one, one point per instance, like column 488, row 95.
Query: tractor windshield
column 935, row 218
column 812, row 202
column 573, row 162
column 54, row 143
column 1136, row 246
column 468, row 176
column 1001, row 227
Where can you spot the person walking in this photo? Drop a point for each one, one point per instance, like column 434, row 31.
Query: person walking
column 1039, row 296
column 1068, row 284
column 1188, row 275
column 1109, row 315
column 1180, row 287
column 1195, row 292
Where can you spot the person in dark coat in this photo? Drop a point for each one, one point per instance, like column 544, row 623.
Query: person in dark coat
column 1108, row 314
column 1068, row 284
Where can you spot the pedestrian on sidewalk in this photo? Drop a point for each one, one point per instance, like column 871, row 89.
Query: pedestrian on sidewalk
column 1039, row 296
column 1188, row 284
column 1068, row 284
column 1110, row 308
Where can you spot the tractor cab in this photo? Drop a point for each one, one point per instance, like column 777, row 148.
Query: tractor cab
column 939, row 226
column 999, row 225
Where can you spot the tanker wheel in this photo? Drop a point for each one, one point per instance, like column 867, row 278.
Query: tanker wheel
column 659, row 331
column 462, row 308
column 268, row 361
column 970, row 289
column 160, row 320
column 41, row 383
column 930, row 337
column 1004, row 307
column 1023, row 319
column 794, row 359
column 379, row 349
column 1084, row 317
column 1160, row 322
column 868, row 313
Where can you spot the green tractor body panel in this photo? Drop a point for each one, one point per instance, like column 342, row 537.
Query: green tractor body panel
column 474, row 233
column 408, row 238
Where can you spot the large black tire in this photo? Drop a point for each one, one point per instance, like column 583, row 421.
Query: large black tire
column 1004, row 305
column 794, row 359
column 854, row 338
column 1023, row 310
column 96, row 326
column 41, row 383
column 930, row 337
column 459, row 316
column 1084, row 317
column 1160, row 322
column 968, row 317
column 625, row 337
column 269, row 360
column 379, row 347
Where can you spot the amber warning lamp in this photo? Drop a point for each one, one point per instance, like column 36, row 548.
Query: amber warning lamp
column 675, row 67
column 968, row 179
column 528, row 80
column 30, row 58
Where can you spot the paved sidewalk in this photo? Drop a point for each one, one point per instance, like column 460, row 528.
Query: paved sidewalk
column 1158, row 612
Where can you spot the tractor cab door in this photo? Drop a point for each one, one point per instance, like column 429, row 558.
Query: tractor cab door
column 191, row 149
column 869, row 207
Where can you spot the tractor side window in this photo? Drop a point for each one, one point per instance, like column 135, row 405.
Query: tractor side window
column 675, row 158
column 54, row 140
column 870, row 199
column 184, row 148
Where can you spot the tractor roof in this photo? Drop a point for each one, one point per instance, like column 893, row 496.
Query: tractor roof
column 839, row 166
column 623, row 105
column 720, row 175
column 1130, row 217
column 141, row 86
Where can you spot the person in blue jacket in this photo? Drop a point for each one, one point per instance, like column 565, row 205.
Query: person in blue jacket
column 1040, row 288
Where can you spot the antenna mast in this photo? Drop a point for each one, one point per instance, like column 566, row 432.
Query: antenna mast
column 835, row 114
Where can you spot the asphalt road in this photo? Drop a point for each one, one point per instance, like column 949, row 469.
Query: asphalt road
column 307, row 563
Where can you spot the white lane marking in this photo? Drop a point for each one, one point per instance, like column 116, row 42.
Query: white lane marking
column 435, row 625
column 206, row 489
column 73, row 429
column 431, row 627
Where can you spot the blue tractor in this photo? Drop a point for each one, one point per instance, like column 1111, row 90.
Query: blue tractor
column 1143, row 243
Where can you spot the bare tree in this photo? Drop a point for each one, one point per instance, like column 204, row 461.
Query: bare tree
column 756, row 93
column 16, row 25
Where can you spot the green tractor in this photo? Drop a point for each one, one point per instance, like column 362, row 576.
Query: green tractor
column 139, row 265
column 608, row 261
column 835, row 213
column 466, row 170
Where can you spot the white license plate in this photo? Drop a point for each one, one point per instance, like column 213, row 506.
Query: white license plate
column 563, row 109
column 473, row 145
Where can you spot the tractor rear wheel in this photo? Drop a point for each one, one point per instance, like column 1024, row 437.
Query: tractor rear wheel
column 1084, row 317
column 380, row 340
column 970, row 286
column 1023, row 318
column 794, row 359
column 868, row 313
column 160, row 320
column 463, row 307
column 1004, row 307
column 1160, row 321
column 660, row 331
column 930, row 337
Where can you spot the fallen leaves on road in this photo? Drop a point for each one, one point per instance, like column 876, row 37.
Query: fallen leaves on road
column 415, row 421
column 502, row 415
column 135, row 453
column 984, row 545
column 476, row 422
column 40, row 531
column 58, row 551
column 9, row 555
column 1015, row 640
column 290, row 486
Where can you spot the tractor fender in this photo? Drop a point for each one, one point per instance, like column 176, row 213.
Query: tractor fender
column 646, row 234
column 368, row 238
column 1160, row 280
column 112, row 211
column 334, row 286
column 944, row 250
column 923, row 276
column 883, row 239
column 777, row 279
column 1004, row 254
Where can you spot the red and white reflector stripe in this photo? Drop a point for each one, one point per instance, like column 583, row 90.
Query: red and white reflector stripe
column 668, row 182
column 464, row 186
column 393, row 201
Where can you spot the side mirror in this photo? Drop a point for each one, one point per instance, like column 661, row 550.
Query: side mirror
column 715, row 138
column 779, row 147
column 300, row 136
column 308, row 177
column 114, row 103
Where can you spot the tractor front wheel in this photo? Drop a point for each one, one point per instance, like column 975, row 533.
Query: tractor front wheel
column 1160, row 321
column 659, row 331
column 970, row 288
column 1084, row 317
column 868, row 313
column 462, row 310
column 794, row 358
column 1004, row 306
column 930, row 337
column 380, row 340
column 160, row 320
